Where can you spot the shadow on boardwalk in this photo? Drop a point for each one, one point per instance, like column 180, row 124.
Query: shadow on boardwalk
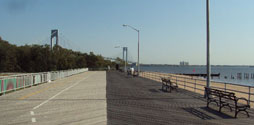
column 141, row 101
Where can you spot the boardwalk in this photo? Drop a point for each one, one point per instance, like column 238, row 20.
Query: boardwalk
column 140, row 101
column 108, row 98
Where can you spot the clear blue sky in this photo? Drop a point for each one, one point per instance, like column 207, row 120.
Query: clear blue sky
column 170, row 30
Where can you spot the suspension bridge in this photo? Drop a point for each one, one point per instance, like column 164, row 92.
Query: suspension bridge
column 58, row 38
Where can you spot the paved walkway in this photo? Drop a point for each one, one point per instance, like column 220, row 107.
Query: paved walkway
column 79, row 99
column 112, row 98
column 141, row 101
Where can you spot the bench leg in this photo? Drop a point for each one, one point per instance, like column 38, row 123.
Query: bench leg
column 247, row 113
column 163, row 87
column 207, row 104
column 220, row 108
column 223, row 105
column 230, row 108
column 177, row 88
column 237, row 111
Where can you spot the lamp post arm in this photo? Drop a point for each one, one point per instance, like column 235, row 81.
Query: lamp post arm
column 133, row 28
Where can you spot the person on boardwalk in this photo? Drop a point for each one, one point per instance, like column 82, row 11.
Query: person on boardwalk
column 132, row 70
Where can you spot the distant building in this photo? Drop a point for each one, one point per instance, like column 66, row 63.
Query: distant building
column 182, row 63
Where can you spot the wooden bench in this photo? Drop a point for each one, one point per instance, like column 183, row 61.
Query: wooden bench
column 226, row 99
column 167, row 84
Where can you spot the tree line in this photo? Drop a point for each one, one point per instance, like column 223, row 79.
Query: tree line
column 41, row 58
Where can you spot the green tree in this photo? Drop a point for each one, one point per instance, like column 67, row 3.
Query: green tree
column 41, row 58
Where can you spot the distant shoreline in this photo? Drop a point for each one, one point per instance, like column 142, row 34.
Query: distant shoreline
column 252, row 66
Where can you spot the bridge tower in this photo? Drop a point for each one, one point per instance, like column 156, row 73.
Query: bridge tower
column 54, row 33
column 125, row 51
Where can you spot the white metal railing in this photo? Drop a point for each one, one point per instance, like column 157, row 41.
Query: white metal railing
column 14, row 82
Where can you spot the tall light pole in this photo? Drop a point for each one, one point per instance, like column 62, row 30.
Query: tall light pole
column 124, row 25
column 208, row 67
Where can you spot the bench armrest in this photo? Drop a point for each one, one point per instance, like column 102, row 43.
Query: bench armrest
column 174, row 83
column 237, row 99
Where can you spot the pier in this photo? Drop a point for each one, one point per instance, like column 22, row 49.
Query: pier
column 201, row 74
column 138, row 100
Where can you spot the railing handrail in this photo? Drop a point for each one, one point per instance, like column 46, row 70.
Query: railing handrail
column 186, row 77
column 24, row 74
column 24, row 80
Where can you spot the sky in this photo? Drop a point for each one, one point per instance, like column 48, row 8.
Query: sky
column 170, row 30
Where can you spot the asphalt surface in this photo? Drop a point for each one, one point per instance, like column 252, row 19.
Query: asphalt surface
column 78, row 99
column 133, row 100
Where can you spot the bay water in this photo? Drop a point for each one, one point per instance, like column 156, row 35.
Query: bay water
column 243, row 75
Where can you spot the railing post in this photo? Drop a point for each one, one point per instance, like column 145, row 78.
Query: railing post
column 155, row 76
column 195, row 85
column 4, row 86
column 184, row 83
column 24, row 82
column 15, row 83
column 158, row 77
column 176, row 80
column 225, row 87
column 31, row 80
column 249, row 95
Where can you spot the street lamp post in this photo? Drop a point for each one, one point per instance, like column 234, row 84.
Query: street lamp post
column 208, row 66
column 124, row 25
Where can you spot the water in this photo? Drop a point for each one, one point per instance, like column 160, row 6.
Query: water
column 228, row 74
